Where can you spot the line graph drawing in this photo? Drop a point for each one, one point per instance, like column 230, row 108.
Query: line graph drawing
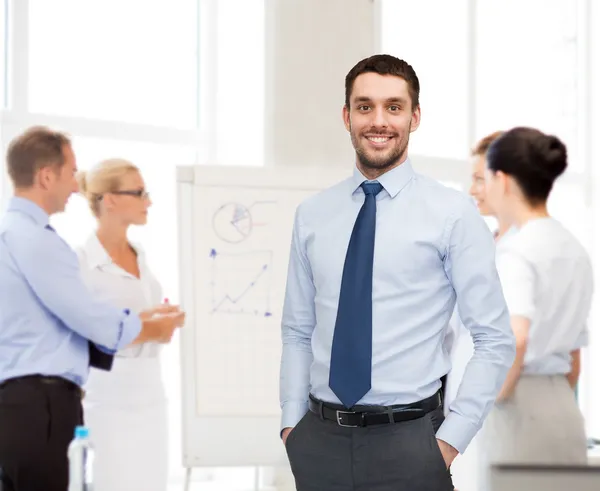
column 240, row 283
column 234, row 222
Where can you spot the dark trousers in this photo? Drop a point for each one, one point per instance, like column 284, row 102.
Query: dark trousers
column 37, row 422
column 392, row 457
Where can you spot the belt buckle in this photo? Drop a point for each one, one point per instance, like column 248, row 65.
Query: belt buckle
column 338, row 417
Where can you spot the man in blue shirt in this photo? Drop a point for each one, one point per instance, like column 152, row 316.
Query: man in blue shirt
column 49, row 320
column 377, row 264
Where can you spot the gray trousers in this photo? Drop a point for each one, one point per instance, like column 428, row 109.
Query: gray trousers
column 392, row 457
column 540, row 424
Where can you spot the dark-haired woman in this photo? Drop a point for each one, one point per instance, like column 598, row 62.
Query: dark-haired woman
column 547, row 280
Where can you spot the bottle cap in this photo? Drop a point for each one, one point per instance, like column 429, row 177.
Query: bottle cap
column 81, row 432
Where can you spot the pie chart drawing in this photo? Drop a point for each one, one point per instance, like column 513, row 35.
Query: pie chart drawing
column 232, row 222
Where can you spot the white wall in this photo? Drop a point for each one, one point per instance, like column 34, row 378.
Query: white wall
column 311, row 45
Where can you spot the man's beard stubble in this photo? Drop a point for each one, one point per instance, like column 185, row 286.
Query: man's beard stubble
column 380, row 164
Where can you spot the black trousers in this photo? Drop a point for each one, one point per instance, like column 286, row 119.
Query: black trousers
column 392, row 457
column 37, row 422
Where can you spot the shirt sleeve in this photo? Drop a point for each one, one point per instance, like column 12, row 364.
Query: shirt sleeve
column 518, row 282
column 470, row 266
column 583, row 338
column 52, row 270
column 452, row 333
column 298, row 323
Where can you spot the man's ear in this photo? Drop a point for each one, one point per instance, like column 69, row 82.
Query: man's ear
column 346, row 116
column 415, row 119
column 45, row 177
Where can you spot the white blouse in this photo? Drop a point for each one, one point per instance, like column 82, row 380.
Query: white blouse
column 114, row 285
column 546, row 277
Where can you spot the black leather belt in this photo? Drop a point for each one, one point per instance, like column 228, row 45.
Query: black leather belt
column 46, row 380
column 362, row 416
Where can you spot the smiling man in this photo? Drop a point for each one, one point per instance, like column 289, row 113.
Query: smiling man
column 377, row 264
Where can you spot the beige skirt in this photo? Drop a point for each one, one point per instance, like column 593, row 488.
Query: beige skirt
column 540, row 424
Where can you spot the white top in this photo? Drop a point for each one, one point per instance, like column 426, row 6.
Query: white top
column 135, row 380
column 114, row 285
column 546, row 276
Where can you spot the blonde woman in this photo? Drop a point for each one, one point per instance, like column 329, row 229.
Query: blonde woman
column 477, row 190
column 125, row 408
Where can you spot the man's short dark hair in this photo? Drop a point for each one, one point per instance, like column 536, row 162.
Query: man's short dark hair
column 36, row 148
column 385, row 65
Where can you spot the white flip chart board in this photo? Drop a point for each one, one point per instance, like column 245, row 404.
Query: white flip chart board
column 235, row 226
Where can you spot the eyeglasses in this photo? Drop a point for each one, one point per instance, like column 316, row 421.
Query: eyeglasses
column 138, row 193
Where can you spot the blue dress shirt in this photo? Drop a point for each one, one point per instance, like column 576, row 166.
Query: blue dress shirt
column 47, row 314
column 432, row 250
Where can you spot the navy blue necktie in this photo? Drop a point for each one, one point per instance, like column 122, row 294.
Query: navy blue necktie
column 351, row 353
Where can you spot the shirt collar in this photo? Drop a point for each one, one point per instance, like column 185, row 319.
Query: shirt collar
column 30, row 209
column 96, row 254
column 392, row 181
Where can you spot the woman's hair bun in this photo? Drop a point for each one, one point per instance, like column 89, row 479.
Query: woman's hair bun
column 555, row 156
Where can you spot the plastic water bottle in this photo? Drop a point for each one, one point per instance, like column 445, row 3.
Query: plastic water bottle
column 81, row 461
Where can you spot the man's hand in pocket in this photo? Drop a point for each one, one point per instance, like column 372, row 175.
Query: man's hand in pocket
column 285, row 433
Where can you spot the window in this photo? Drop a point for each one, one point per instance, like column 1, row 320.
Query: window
column 240, row 94
column 437, row 49
column 115, row 60
column 590, row 394
column 192, row 68
column 592, row 360
column 530, row 77
column 158, row 238
column 567, row 203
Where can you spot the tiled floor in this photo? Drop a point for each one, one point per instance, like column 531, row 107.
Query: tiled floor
column 219, row 485
column 235, row 479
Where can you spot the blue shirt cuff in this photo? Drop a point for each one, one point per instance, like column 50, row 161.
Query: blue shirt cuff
column 292, row 413
column 457, row 431
column 129, row 329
